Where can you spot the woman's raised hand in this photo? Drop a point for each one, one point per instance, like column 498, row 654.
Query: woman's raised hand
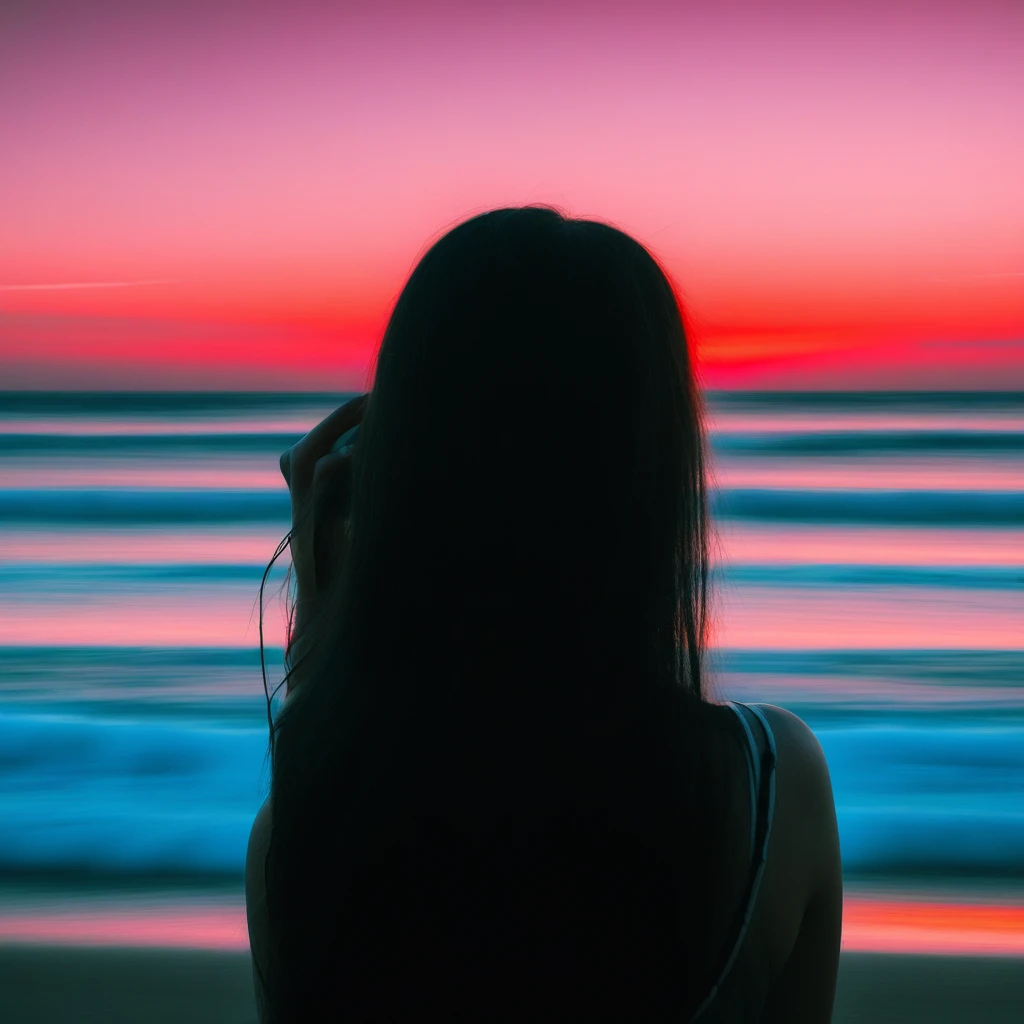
column 318, row 480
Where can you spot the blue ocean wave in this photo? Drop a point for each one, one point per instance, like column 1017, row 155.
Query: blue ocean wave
column 867, row 442
column 138, row 664
column 56, row 579
column 226, row 685
column 137, row 579
column 175, row 404
column 144, row 797
column 956, row 577
column 161, row 506
column 222, row 687
column 911, row 508
column 153, row 446
column 866, row 401
column 126, row 796
column 788, row 443
column 965, row 668
column 238, row 403
column 139, row 760
column 158, row 506
column 928, row 799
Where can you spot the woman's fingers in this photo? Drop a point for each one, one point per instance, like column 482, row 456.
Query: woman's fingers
column 298, row 462
column 317, row 443
column 318, row 519
column 316, row 479
column 332, row 482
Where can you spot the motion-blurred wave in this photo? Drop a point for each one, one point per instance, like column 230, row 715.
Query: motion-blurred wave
column 869, row 578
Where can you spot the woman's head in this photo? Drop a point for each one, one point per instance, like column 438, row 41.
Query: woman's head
column 529, row 471
column 528, row 534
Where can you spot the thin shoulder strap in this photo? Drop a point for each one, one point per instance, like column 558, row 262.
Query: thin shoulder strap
column 769, row 761
column 771, row 757
column 763, row 803
column 753, row 773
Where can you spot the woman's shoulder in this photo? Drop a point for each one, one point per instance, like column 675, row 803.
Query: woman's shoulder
column 800, row 761
column 785, row 968
column 803, row 865
column 804, row 808
column 803, row 872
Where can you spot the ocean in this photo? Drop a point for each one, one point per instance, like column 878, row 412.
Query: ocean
column 869, row 576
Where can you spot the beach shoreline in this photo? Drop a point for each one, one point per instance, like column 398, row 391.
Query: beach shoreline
column 147, row 949
column 54, row 984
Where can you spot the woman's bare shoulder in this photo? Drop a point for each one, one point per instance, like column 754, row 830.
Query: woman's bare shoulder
column 805, row 891
column 800, row 760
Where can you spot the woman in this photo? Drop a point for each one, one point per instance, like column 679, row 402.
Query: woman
column 501, row 788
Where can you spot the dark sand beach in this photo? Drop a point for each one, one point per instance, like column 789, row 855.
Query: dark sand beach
column 54, row 985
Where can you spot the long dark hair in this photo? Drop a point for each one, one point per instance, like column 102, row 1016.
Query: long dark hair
column 493, row 789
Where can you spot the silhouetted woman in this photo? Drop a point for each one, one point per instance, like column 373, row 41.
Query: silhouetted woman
column 500, row 787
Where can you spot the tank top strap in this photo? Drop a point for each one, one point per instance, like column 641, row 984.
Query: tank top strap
column 761, row 772
column 768, row 762
column 753, row 771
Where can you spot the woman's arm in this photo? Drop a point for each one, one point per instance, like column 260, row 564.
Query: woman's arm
column 256, row 903
column 805, row 988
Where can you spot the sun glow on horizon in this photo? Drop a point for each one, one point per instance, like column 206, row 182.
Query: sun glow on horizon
column 835, row 191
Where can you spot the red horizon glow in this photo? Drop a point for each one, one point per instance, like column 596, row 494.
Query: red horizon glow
column 206, row 201
column 871, row 924
column 921, row 926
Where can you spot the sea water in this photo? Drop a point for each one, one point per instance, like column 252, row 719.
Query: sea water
column 868, row 576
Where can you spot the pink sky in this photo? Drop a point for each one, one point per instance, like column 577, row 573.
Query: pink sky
column 233, row 198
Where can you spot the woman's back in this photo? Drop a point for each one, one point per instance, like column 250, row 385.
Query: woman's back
column 771, row 950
